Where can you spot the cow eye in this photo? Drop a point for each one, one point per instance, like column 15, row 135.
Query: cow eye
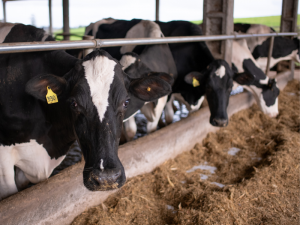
column 73, row 104
column 126, row 103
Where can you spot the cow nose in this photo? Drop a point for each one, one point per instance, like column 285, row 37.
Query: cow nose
column 272, row 114
column 220, row 122
column 105, row 180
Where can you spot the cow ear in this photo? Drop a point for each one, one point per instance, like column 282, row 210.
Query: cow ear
column 37, row 86
column 193, row 78
column 150, row 88
column 244, row 78
column 164, row 76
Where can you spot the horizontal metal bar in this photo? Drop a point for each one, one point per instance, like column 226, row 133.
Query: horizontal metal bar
column 98, row 43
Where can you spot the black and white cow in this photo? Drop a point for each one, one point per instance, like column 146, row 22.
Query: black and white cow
column 138, row 61
column 92, row 95
column 199, row 74
column 284, row 48
column 264, row 89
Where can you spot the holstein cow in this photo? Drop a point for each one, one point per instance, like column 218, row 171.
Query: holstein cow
column 264, row 89
column 284, row 48
column 138, row 61
column 200, row 74
column 50, row 99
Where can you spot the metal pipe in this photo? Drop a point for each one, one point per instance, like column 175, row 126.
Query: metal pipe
column 66, row 25
column 157, row 10
column 4, row 11
column 88, row 50
column 270, row 54
column 98, row 43
column 50, row 17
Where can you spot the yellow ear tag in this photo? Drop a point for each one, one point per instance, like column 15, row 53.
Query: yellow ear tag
column 51, row 96
column 195, row 82
column 148, row 89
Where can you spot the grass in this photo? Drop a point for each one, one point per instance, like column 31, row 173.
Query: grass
column 78, row 31
column 272, row 21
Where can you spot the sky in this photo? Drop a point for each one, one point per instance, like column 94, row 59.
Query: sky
column 82, row 13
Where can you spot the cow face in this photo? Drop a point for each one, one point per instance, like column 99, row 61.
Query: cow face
column 135, row 68
column 216, row 82
column 297, row 44
column 264, row 89
column 95, row 96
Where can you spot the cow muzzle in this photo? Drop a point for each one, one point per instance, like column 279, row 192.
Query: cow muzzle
column 219, row 122
column 104, row 180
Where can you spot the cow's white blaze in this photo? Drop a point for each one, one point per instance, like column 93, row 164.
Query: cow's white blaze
column 31, row 157
column 221, row 71
column 127, row 60
column 272, row 110
column 101, row 165
column 99, row 73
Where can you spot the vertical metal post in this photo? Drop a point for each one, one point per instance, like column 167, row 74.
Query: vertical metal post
column 288, row 22
column 4, row 11
column 270, row 55
column 87, row 50
column 218, row 19
column 66, row 25
column 157, row 10
column 50, row 17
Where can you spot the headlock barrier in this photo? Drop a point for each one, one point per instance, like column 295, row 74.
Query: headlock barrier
column 59, row 199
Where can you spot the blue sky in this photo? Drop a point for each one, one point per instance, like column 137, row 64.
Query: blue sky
column 84, row 12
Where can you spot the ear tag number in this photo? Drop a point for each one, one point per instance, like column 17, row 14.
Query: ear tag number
column 195, row 82
column 51, row 96
column 148, row 89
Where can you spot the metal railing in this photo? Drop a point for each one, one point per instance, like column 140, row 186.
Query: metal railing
column 98, row 43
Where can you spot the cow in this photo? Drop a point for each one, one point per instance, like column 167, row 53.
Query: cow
column 264, row 89
column 199, row 74
column 50, row 99
column 138, row 61
column 284, row 48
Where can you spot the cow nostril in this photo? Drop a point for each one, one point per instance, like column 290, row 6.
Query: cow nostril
column 220, row 122
column 106, row 179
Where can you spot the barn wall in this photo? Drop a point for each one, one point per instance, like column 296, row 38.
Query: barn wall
column 62, row 197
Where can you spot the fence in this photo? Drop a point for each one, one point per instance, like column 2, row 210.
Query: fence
column 98, row 43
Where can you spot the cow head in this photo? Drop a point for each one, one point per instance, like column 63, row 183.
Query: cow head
column 135, row 68
column 297, row 43
column 216, row 83
column 94, row 97
column 266, row 93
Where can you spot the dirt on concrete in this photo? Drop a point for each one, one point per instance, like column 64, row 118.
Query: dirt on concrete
column 246, row 173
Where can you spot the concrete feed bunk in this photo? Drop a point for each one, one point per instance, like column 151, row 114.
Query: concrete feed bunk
column 62, row 197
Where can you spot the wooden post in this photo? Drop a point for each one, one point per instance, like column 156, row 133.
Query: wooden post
column 157, row 10
column 288, row 21
column 66, row 25
column 217, row 20
column 4, row 10
column 50, row 17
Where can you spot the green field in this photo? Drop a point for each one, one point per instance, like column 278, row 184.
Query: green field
column 272, row 21
column 78, row 31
